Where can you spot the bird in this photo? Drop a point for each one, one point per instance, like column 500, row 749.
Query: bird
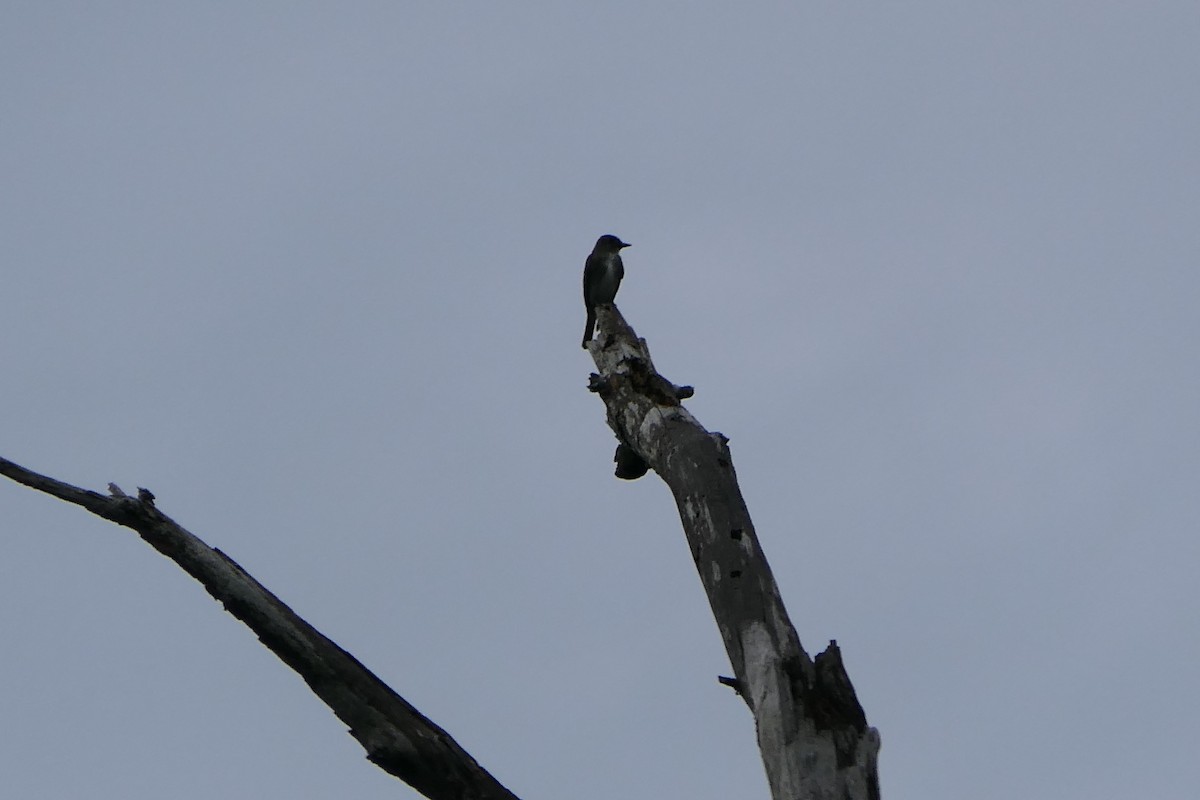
column 602, row 275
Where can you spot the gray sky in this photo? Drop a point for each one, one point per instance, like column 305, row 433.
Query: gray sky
column 311, row 273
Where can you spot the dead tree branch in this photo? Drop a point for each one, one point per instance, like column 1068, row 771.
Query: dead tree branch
column 397, row 737
column 812, row 732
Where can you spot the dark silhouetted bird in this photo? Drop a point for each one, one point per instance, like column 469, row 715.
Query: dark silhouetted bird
column 601, row 278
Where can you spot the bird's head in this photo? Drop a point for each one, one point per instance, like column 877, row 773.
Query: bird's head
column 609, row 244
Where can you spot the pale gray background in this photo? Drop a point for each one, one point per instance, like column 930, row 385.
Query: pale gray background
column 311, row 273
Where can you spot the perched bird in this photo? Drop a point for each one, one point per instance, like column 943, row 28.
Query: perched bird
column 601, row 278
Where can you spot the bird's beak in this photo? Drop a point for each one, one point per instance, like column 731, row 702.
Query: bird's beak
column 625, row 244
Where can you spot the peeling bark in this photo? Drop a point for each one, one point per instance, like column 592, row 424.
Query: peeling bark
column 812, row 731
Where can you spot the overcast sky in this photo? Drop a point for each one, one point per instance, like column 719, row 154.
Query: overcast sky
column 311, row 273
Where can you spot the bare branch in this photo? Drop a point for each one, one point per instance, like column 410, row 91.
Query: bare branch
column 397, row 737
column 812, row 732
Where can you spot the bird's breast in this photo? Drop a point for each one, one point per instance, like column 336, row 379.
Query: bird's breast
column 608, row 278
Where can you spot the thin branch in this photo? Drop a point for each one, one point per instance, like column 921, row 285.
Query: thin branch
column 397, row 737
column 812, row 731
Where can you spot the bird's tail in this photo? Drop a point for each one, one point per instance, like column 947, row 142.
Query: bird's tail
column 591, row 327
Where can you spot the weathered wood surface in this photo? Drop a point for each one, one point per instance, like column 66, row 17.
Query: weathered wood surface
column 812, row 731
column 397, row 737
